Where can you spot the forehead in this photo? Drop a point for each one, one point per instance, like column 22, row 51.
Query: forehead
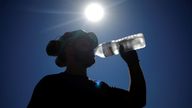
column 84, row 42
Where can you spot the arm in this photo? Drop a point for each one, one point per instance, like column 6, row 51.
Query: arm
column 137, row 88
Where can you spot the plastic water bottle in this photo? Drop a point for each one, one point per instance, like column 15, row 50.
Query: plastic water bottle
column 131, row 42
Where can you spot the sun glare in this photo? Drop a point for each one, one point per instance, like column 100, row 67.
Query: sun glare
column 94, row 12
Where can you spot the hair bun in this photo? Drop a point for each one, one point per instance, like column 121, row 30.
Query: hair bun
column 53, row 48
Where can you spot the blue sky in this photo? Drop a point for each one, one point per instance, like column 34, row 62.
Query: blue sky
column 27, row 26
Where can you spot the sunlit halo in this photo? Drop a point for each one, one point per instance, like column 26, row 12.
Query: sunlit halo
column 94, row 12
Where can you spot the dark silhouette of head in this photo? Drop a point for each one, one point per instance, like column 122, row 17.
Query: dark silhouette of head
column 73, row 48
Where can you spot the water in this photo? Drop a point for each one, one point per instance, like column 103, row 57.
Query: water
column 132, row 42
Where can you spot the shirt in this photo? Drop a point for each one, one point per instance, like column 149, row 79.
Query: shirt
column 63, row 89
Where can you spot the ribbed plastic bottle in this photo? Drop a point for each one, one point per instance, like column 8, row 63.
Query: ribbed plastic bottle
column 131, row 42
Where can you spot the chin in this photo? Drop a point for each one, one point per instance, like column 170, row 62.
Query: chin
column 90, row 63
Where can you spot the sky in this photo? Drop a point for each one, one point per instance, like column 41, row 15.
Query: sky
column 26, row 26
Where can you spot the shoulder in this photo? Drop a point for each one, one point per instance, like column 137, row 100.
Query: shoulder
column 101, row 84
column 53, row 77
column 111, row 90
column 106, row 86
column 49, row 79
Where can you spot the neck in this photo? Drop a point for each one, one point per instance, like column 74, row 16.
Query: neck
column 76, row 70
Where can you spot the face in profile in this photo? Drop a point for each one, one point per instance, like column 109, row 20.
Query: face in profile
column 84, row 52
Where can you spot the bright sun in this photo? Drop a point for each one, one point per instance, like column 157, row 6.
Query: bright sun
column 94, row 12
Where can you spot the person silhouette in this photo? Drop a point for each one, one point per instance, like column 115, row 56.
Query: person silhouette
column 75, row 51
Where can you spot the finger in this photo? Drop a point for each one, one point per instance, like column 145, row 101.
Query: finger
column 121, row 49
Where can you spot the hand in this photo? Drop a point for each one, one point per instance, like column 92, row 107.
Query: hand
column 130, row 56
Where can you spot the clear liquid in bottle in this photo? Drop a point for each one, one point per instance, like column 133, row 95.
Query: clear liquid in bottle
column 132, row 42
